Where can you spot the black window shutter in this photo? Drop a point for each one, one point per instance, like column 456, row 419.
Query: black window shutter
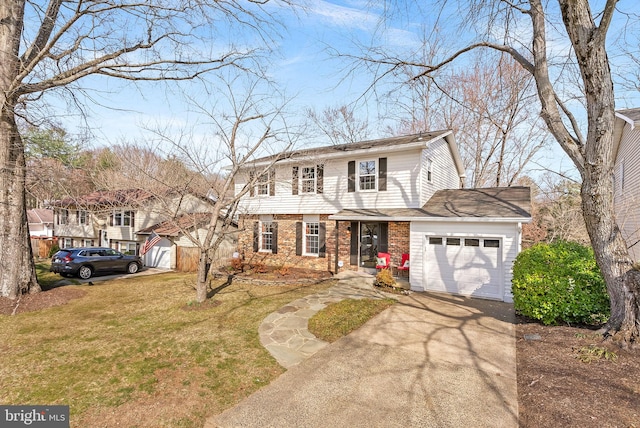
column 353, row 255
column 351, row 171
column 252, row 189
column 383, row 238
column 133, row 219
column 272, row 182
column 111, row 220
column 256, row 236
column 294, row 180
column 274, row 245
column 298, row 238
column 320, row 179
column 322, row 240
column 382, row 174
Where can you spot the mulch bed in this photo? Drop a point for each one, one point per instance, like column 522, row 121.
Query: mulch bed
column 35, row 302
column 564, row 380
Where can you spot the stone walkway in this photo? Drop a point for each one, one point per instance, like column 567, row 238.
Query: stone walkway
column 284, row 333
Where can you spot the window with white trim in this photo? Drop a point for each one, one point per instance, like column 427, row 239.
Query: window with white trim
column 312, row 238
column 429, row 170
column 127, row 247
column 262, row 185
column 123, row 218
column 68, row 243
column 63, row 216
column 83, row 217
column 87, row 243
column 367, row 175
column 308, row 180
column 266, row 236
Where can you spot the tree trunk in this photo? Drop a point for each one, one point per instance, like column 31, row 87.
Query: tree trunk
column 610, row 249
column 203, row 274
column 17, row 272
column 593, row 155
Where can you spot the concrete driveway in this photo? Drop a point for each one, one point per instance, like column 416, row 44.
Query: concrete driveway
column 430, row 361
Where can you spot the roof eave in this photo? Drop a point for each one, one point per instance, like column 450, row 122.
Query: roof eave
column 431, row 219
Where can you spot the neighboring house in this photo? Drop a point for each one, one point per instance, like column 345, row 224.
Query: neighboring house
column 114, row 218
column 179, row 246
column 627, row 177
column 334, row 208
column 40, row 223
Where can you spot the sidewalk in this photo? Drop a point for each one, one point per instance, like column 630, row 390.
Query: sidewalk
column 429, row 361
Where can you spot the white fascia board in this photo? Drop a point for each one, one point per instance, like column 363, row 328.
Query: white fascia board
column 434, row 219
column 627, row 119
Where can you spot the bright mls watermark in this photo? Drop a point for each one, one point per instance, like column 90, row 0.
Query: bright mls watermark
column 34, row 416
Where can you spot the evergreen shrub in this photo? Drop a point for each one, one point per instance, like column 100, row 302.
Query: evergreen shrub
column 560, row 283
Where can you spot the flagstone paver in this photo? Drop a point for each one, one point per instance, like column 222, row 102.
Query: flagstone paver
column 284, row 333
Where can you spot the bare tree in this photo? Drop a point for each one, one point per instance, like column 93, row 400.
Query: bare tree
column 584, row 74
column 340, row 124
column 492, row 108
column 53, row 45
column 248, row 121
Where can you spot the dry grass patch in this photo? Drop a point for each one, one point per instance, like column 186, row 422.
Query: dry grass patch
column 339, row 319
column 128, row 354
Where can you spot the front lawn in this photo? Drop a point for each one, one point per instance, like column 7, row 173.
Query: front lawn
column 136, row 352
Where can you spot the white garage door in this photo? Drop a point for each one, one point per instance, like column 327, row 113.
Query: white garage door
column 467, row 266
column 159, row 255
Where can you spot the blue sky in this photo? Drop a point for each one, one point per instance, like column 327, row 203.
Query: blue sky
column 301, row 66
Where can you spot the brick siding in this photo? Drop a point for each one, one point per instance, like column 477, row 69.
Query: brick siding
column 286, row 255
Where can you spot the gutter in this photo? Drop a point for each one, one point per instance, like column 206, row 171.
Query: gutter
column 434, row 219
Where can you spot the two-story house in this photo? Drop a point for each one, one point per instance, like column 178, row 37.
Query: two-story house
column 334, row 208
column 627, row 177
column 123, row 219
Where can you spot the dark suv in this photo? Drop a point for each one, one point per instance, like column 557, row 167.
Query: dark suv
column 87, row 261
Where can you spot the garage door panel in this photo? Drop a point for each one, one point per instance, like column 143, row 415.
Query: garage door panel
column 159, row 255
column 466, row 270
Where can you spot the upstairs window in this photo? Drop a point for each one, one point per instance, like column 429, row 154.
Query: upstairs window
column 308, row 180
column 83, row 217
column 262, row 186
column 367, row 175
column 429, row 170
column 63, row 216
column 123, row 218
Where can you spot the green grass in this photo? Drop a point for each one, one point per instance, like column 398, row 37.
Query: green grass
column 130, row 342
column 340, row 319
column 46, row 279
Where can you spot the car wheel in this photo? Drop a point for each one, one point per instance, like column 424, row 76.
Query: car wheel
column 133, row 268
column 85, row 272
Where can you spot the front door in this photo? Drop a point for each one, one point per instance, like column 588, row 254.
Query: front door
column 369, row 245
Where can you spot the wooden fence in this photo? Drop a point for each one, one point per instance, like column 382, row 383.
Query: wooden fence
column 187, row 258
column 41, row 247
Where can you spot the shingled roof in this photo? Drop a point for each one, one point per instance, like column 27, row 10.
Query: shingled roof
column 485, row 203
column 492, row 202
column 173, row 227
column 39, row 215
column 316, row 152
column 107, row 198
